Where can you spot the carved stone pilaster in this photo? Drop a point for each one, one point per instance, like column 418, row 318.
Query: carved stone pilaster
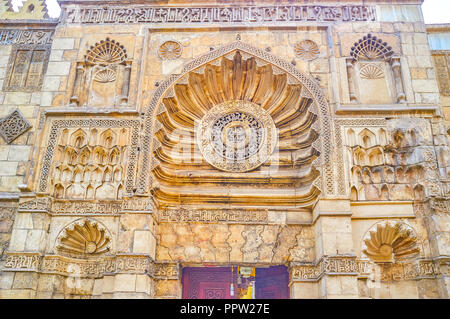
column 76, row 92
column 396, row 68
column 351, row 79
column 126, row 83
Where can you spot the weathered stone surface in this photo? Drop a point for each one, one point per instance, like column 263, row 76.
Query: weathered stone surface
column 118, row 189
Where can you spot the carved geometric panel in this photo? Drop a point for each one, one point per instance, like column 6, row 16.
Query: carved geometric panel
column 26, row 68
column 371, row 48
column 13, row 125
column 307, row 50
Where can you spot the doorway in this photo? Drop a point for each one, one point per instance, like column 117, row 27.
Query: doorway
column 235, row 282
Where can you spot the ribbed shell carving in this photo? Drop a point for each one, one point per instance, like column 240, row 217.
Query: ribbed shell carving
column 371, row 48
column 84, row 237
column 371, row 72
column 170, row 50
column 182, row 176
column 389, row 241
column 105, row 76
column 106, row 52
column 307, row 50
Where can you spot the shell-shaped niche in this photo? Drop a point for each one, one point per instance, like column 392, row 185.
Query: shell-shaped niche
column 106, row 52
column 371, row 72
column 84, row 237
column 105, row 76
column 389, row 241
column 371, row 48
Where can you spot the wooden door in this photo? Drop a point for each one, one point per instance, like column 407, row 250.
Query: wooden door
column 272, row 283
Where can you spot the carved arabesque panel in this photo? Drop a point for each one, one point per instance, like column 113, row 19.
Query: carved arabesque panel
column 26, row 67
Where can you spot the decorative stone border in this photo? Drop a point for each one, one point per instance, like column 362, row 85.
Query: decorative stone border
column 92, row 268
column 14, row 36
column 222, row 15
column 351, row 266
column 84, row 207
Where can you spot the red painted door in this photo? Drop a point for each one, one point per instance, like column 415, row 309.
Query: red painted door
column 272, row 283
column 207, row 283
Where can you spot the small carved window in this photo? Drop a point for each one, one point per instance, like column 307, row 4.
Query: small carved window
column 26, row 69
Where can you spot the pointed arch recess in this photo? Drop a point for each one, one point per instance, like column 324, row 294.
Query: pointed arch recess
column 319, row 107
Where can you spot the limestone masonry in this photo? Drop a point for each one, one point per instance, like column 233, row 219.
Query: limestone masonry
column 224, row 149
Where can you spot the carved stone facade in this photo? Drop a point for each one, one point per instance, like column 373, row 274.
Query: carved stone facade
column 308, row 136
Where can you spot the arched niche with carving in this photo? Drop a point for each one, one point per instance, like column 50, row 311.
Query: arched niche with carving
column 240, row 87
column 374, row 73
column 102, row 79
column 84, row 238
column 390, row 241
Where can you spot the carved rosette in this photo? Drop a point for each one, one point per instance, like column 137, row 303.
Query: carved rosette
column 236, row 136
column 84, row 237
column 307, row 50
column 13, row 125
column 170, row 50
column 389, row 241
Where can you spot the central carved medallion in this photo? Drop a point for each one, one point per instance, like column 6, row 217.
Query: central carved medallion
column 236, row 136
